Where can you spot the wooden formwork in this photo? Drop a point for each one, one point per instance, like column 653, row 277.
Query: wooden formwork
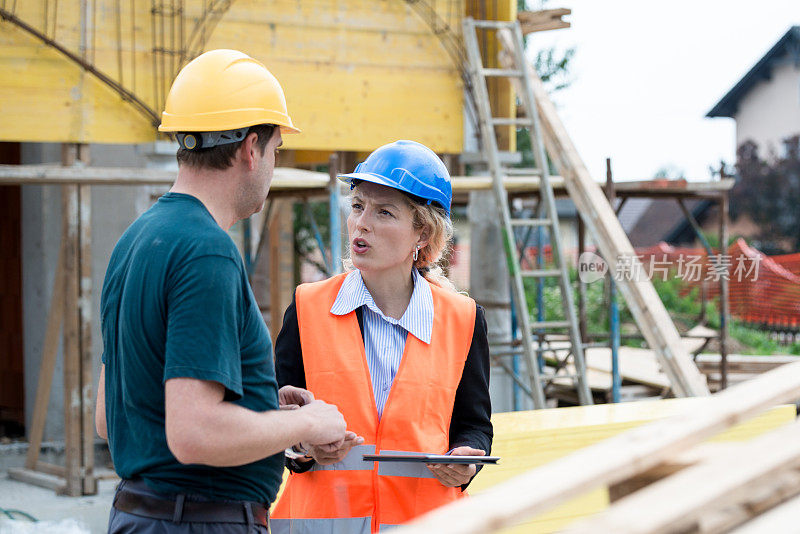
column 69, row 314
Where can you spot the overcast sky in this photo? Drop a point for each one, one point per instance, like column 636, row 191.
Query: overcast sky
column 645, row 73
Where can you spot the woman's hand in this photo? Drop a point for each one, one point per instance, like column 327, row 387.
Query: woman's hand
column 335, row 452
column 290, row 397
column 453, row 475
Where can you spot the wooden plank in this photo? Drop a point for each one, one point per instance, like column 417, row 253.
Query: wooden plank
column 763, row 497
column 636, row 365
column 738, row 363
column 701, row 453
column 51, row 469
column 676, row 503
column 85, row 337
column 283, row 178
column 643, row 301
column 672, row 187
column 47, row 367
column 281, row 261
column 542, row 20
column 610, row 461
column 782, row 518
column 71, row 341
column 37, row 479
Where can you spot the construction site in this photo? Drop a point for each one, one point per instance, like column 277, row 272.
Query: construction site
column 645, row 370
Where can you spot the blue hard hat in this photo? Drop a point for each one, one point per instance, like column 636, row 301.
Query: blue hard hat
column 410, row 167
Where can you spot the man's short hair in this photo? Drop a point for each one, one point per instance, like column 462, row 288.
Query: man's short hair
column 221, row 156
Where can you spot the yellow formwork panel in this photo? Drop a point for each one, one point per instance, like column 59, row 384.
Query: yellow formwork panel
column 44, row 98
column 357, row 73
column 525, row 440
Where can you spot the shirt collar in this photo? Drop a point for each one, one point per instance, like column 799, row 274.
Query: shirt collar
column 418, row 317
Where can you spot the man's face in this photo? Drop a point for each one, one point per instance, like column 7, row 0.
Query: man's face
column 255, row 187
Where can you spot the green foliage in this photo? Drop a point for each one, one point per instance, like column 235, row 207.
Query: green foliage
column 713, row 239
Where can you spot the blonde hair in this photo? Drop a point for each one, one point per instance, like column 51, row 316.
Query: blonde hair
column 430, row 257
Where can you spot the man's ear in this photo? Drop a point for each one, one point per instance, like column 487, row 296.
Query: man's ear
column 248, row 150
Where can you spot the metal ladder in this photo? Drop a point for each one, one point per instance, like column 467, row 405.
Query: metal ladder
column 547, row 218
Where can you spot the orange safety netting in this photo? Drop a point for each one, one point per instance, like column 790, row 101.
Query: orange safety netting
column 762, row 289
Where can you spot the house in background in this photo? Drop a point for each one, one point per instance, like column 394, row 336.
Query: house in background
column 765, row 103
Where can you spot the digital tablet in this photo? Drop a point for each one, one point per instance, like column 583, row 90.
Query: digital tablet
column 431, row 459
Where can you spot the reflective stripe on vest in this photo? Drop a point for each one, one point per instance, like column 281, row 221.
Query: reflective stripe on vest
column 340, row 525
column 416, row 417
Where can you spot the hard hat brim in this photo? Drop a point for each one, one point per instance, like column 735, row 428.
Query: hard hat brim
column 373, row 178
column 381, row 180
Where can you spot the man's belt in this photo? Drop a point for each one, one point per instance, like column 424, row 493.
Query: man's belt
column 181, row 510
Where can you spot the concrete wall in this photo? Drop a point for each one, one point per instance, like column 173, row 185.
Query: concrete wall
column 770, row 111
column 113, row 209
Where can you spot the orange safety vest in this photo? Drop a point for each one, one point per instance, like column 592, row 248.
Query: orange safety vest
column 354, row 496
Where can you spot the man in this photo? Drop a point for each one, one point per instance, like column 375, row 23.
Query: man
column 188, row 398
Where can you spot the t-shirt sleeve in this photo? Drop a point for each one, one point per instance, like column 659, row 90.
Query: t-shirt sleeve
column 204, row 307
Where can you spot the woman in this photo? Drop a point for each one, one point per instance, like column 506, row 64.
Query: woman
column 403, row 356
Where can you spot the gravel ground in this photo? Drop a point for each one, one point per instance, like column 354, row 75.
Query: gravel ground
column 57, row 514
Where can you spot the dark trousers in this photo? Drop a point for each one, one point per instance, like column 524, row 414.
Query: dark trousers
column 120, row 522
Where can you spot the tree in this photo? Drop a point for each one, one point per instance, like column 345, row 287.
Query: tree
column 768, row 192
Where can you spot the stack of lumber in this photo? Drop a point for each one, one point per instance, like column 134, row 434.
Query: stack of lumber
column 741, row 367
column 642, row 467
column 640, row 370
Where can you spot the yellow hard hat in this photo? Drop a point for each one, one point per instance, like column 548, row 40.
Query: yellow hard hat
column 224, row 90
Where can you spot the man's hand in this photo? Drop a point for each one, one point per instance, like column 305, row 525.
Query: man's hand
column 331, row 453
column 326, row 423
column 290, row 397
column 453, row 475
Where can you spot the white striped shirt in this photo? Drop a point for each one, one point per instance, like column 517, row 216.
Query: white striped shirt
column 385, row 337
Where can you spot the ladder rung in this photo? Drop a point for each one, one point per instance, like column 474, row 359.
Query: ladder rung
column 594, row 345
column 541, row 273
column 549, row 378
column 507, row 121
column 493, row 23
column 542, row 325
column 520, row 171
column 530, row 222
column 508, row 73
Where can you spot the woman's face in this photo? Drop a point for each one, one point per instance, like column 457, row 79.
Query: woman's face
column 380, row 228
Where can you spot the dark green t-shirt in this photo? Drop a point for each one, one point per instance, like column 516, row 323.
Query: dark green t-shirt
column 177, row 303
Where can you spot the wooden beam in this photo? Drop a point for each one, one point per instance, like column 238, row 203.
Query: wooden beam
column 85, row 338
column 701, row 453
column 546, row 19
column 71, row 341
column 48, row 364
column 737, row 363
column 782, row 518
column 281, row 261
column 676, row 503
column 283, row 178
column 643, row 301
column 609, row 461
column 37, row 479
column 51, row 469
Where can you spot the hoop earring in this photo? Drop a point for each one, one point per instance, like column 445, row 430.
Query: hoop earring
column 416, row 253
